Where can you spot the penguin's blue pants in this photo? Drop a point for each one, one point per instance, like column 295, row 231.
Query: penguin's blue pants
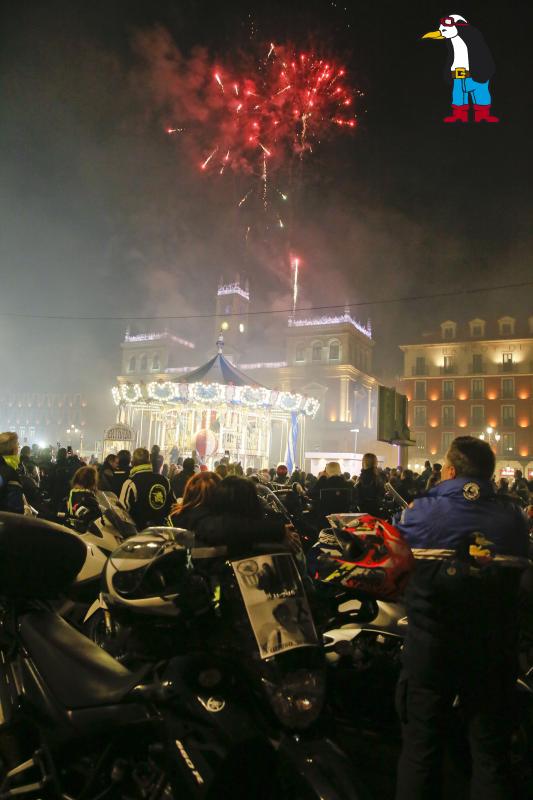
column 465, row 88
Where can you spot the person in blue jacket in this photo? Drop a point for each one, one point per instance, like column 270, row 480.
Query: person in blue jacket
column 470, row 546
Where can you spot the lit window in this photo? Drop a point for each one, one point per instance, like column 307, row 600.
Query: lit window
column 448, row 367
column 507, row 362
column 508, row 443
column 420, row 439
column 241, row 327
column 225, row 325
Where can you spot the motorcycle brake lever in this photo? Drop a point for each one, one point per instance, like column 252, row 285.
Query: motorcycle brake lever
column 158, row 693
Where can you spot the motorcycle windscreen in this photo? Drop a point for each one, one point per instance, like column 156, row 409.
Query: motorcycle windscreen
column 276, row 603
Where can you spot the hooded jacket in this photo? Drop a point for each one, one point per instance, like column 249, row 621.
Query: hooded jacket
column 11, row 493
column 470, row 546
column 147, row 496
column 481, row 63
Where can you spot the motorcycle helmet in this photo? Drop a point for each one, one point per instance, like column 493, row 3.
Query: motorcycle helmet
column 152, row 574
column 363, row 554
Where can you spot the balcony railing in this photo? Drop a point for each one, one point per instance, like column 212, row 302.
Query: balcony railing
column 477, row 369
column 451, row 369
column 509, row 422
column 507, row 366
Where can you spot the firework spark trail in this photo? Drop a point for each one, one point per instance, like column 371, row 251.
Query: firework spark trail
column 265, row 181
column 243, row 200
column 295, row 263
column 208, row 159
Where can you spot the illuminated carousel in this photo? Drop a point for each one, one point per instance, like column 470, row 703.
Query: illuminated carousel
column 215, row 411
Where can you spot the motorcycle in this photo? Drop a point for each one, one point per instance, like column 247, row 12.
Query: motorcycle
column 249, row 673
column 74, row 724
column 291, row 503
column 100, row 535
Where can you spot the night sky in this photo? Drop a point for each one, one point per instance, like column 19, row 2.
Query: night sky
column 103, row 214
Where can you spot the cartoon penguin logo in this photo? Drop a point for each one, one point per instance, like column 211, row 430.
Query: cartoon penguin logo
column 469, row 68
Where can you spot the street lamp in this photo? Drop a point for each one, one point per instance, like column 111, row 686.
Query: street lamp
column 492, row 436
column 356, row 431
column 72, row 429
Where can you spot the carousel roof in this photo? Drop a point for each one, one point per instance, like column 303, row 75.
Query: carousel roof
column 218, row 370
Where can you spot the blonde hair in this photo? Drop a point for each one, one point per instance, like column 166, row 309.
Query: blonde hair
column 333, row 468
column 9, row 443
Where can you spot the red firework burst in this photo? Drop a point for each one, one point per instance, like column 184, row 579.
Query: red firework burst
column 283, row 106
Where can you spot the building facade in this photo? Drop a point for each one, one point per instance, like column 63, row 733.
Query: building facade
column 44, row 418
column 473, row 378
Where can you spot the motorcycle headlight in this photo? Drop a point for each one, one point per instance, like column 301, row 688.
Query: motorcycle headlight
column 298, row 699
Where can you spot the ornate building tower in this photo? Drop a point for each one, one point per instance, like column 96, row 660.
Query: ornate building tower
column 232, row 308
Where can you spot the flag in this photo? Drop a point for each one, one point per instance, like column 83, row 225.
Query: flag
column 292, row 442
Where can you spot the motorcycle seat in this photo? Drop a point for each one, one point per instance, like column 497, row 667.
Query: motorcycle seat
column 78, row 672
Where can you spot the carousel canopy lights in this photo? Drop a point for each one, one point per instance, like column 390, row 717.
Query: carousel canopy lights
column 252, row 397
column 331, row 320
column 233, row 288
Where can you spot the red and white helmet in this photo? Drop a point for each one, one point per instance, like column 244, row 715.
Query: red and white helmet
column 363, row 554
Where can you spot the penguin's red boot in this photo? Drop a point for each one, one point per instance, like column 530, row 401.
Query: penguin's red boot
column 482, row 114
column 459, row 114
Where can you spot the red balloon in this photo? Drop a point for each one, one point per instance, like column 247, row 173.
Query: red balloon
column 205, row 443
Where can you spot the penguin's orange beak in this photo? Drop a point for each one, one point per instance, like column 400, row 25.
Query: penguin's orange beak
column 433, row 35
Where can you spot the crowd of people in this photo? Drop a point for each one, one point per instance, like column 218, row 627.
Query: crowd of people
column 462, row 633
column 149, row 487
